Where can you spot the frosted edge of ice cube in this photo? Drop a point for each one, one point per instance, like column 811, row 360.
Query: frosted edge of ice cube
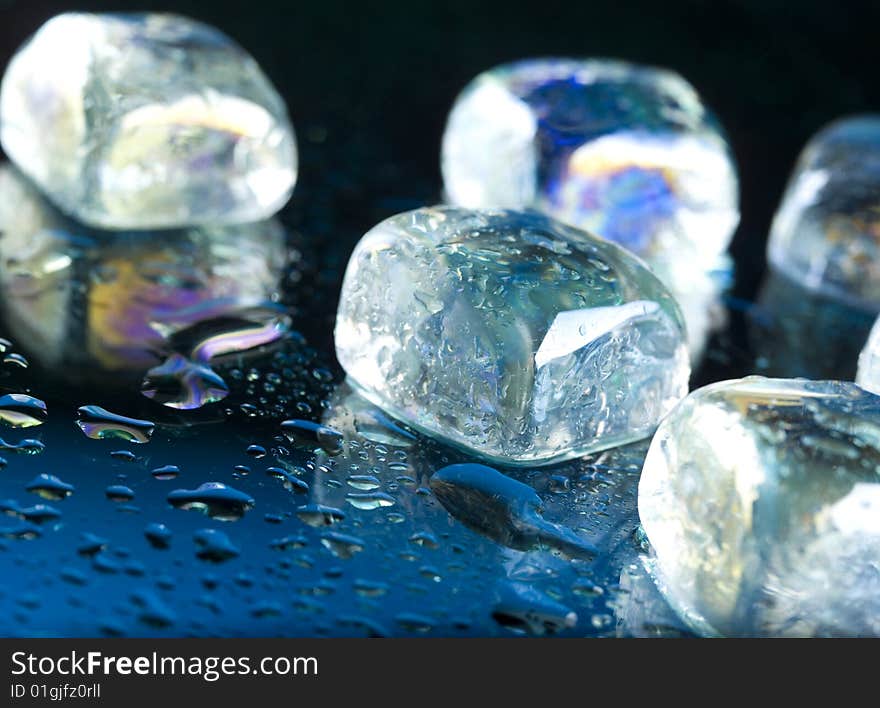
column 408, row 350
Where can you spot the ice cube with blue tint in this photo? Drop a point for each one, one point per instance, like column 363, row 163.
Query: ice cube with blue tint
column 625, row 151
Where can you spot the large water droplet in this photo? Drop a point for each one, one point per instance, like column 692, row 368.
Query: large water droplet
column 523, row 608
column 212, row 338
column 18, row 410
column 19, row 530
column 507, row 511
column 369, row 500
column 317, row 515
column 182, row 384
column 342, row 545
column 307, row 433
column 28, row 446
column 50, row 487
column 40, row 513
column 364, row 482
column 99, row 424
column 119, row 493
column 123, row 455
column 166, row 472
column 215, row 499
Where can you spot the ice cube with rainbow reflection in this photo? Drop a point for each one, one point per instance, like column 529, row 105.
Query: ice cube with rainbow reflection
column 624, row 151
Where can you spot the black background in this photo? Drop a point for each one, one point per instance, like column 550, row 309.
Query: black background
column 369, row 85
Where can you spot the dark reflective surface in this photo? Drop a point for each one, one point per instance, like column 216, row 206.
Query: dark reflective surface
column 354, row 541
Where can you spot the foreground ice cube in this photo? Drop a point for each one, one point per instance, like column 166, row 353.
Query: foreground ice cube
column 509, row 334
column 146, row 120
column 761, row 500
column 624, row 151
column 825, row 232
column 868, row 374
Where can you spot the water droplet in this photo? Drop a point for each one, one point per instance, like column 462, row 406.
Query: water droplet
column 587, row 588
column 431, row 573
column 152, row 610
column 159, row 535
column 99, row 424
column 166, row 472
column 105, row 563
column 219, row 336
column 341, row 545
column 411, row 622
column 370, row 588
column 215, row 499
column 322, row 375
column 369, row 500
column 256, row 451
column 16, row 360
column 425, row 539
column 18, row 410
column 317, row 515
column 19, row 530
column 50, row 487
column 523, row 608
column 289, row 481
column 266, row 608
column 40, row 513
column 365, row 482
column 181, row 384
column 214, row 546
column 119, row 493
column 74, row 576
column 90, row 544
column 123, row 455
column 28, row 446
column 505, row 510
column 307, row 433
column 288, row 543
column 601, row 621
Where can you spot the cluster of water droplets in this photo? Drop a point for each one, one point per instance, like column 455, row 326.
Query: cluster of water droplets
column 316, row 515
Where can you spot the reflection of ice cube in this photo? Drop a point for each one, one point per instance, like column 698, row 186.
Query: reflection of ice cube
column 794, row 331
column 110, row 301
